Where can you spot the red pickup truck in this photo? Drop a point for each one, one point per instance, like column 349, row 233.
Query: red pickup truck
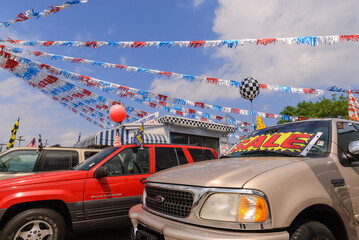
column 97, row 193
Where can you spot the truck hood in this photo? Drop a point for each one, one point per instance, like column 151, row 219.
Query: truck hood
column 224, row 173
column 45, row 177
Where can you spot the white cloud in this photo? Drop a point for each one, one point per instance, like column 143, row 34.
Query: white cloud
column 296, row 65
column 286, row 65
column 123, row 60
column 197, row 3
column 111, row 30
column 38, row 115
column 84, row 37
column 83, row 69
column 192, row 91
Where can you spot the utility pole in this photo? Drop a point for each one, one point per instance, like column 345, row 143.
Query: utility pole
column 2, row 144
column 20, row 139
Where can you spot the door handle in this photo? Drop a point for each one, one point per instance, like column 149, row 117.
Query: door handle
column 142, row 180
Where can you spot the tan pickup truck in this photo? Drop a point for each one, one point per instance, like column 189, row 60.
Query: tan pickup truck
column 297, row 181
column 20, row 161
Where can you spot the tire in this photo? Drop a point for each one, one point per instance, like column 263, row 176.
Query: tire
column 38, row 223
column 312, row 230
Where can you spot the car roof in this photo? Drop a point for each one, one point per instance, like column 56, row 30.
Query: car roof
column 334, row 120
column 53, row 148
column 166, row 144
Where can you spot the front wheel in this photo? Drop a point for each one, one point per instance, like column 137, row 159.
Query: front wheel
column 39, row 224
column 312, row 230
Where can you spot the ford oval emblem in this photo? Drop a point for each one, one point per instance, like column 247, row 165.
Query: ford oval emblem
column 159, row 199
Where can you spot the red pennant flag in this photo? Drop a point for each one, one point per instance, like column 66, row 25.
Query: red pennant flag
column 117, row 142
column 32, row 143
column 353, row 107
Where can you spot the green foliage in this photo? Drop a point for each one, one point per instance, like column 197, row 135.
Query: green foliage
column 323, row 108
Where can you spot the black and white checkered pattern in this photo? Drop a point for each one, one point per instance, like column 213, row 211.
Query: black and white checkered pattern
column 191, row 122
column 249, row 88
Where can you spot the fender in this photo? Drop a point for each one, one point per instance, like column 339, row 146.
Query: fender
column 37, row 195
column 298, row 186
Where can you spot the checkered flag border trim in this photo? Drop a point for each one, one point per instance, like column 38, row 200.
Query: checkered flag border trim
column 191, row 122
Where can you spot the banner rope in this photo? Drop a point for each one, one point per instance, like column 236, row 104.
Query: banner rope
column 189, row 78
column 308, row 40
column 45, row 13
column 58, row 92
column 159, row 101
column 96, row 99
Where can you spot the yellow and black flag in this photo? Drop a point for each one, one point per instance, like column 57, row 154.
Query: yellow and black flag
column 13, row 134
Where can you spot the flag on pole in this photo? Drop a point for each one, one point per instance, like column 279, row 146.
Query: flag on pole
column 32, row 143
column 13, row 134
column 139, row 135
column 40, row 141
column 260, row 123
column 117, row 142
column 78, row 140
column 353, row 107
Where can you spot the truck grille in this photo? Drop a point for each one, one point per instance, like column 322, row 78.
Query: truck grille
column 170, row 202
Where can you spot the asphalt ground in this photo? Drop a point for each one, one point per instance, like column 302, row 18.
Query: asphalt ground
column 120, row 233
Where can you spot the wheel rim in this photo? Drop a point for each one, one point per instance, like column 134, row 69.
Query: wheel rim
column 35, row 230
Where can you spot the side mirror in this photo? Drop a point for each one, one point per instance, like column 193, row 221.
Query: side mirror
column 101, row 172
column 353, row 147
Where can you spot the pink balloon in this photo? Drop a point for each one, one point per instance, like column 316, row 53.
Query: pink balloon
column 117, row 113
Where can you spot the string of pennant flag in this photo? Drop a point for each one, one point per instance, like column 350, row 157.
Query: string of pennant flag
column 76, row 106
column 159, row 101
column 189, row 78
column 307, row 40
column 79, row 100
column 45, row 80
column 46, row 12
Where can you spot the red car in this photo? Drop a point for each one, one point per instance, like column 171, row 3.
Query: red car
column 97, row 193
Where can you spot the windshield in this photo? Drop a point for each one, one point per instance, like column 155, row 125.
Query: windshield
column 292, row 140
column 94, row 160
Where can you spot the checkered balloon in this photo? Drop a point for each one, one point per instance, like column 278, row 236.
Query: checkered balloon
column 249, row 88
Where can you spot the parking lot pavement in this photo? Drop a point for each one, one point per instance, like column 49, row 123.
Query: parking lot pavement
column 121, row 233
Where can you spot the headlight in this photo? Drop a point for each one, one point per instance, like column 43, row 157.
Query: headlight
column 232, row 207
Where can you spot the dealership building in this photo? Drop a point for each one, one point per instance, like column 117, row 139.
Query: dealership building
column 170, row 129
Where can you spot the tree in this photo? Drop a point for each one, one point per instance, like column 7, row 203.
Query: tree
column 323, row 108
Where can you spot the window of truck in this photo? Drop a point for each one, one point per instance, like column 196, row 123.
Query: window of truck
column 199, row 155
column 95, row 159
column 58, row 160
column 181, row 156
column 18, row 161
column 165, row 158
column 130, row 161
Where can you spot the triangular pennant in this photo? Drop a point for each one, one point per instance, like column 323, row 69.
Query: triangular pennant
column 117, row 142
column 353, row 107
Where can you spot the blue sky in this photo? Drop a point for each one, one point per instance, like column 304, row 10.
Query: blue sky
column 161, row 20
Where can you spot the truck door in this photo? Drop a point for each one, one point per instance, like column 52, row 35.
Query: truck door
column 348, row 132
column 111, row 197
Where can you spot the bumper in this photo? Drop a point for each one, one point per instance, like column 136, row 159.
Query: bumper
column 173, row 230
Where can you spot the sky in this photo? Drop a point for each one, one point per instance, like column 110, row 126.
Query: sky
column 180, row 20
